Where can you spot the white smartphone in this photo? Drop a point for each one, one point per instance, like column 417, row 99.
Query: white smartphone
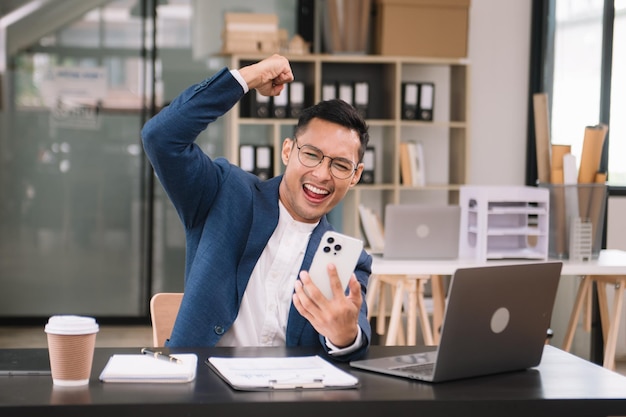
column 339, row 249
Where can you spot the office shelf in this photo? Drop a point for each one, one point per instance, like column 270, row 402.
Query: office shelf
column 444, row 139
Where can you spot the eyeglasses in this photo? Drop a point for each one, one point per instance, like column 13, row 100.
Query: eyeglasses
column 310, row 157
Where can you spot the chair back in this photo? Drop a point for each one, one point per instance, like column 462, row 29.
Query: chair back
column 163, row 311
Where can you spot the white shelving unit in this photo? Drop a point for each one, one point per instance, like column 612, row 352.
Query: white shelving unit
column 444, row 139
column 504, row 222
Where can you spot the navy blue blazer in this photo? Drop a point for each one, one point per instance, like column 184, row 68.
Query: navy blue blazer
column 228, row 216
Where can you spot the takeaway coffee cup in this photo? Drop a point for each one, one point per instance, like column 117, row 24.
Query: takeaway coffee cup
column 71, row 343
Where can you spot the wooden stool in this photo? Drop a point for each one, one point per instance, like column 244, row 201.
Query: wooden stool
column 414, row 287
column 610, row 322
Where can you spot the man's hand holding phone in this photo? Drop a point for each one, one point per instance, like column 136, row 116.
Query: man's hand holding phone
column 320, row 294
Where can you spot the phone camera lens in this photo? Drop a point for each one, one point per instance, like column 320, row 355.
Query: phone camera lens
column 337, row 247
column 326, row 249
column 330, row 239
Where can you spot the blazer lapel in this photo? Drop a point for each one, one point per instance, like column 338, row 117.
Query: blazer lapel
column 264, row 220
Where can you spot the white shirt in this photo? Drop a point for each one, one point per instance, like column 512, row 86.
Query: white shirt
column 262, row 317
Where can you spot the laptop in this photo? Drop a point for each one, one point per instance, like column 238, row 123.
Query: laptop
column 420, row 231
column 17, row 362
column 496, row 320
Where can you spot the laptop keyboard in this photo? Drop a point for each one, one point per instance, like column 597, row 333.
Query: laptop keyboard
column 419, row 368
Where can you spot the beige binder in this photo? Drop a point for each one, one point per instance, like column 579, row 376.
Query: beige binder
column 405, row 164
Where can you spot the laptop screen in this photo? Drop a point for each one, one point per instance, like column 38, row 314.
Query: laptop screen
column 419, row 231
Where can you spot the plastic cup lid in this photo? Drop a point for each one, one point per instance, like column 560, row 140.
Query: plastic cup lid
column 71, row 325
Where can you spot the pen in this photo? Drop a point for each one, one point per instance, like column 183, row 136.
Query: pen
column 160, row 355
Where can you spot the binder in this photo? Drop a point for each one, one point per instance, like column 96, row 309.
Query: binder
column 369, row 163
column 259, row 105
column 412, row 167
column 296, row 99
column 418, row 172
column 281, row 373
column 246, row 158
column 405, row 164
column 280, row 103
column 426, row 101
column 361, row 97
column 329, row 91
column 346, row 92
column 263, row 162
column 410, row 96
column 372, row 229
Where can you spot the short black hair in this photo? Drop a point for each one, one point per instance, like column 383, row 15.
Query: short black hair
column 339, row 112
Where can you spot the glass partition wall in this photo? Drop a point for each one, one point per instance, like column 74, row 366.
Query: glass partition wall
column 84, row 226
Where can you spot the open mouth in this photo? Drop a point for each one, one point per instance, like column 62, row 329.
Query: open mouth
column 315, row 193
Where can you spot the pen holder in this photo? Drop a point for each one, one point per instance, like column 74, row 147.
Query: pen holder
column 577, row 213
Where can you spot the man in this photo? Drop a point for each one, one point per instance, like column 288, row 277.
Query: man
column 248, row 241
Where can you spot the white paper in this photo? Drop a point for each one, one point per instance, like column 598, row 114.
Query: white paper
column 145, row 368
column 281, row 372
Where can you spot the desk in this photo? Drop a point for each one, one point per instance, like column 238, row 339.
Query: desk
column 609, row 262
column 562, row 384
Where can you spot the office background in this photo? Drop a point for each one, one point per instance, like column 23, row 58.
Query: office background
column 110, row 259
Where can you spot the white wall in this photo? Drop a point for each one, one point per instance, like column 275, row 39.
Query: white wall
column 616, row 239
column 499, row 52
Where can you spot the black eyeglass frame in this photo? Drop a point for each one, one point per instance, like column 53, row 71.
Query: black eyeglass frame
column 331, row 159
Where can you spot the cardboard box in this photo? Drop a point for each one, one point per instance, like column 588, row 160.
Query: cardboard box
column 250, row 33
column 428, row 28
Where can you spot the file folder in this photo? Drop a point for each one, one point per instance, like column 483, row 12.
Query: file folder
column 369, row 163
column 296, row 99
column 263, row 162
column 280, row 103
column 406, row 172
column 412, row 169
column 346, row 92
column 418, row 172
column 246, row 158
column 329, row 91
column 410, row 96
column 361, row 98
column 426, row 101
column 259, row 105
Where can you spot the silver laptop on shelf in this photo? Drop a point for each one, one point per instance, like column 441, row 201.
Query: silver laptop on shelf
column 422, row 231
column 496, row 320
